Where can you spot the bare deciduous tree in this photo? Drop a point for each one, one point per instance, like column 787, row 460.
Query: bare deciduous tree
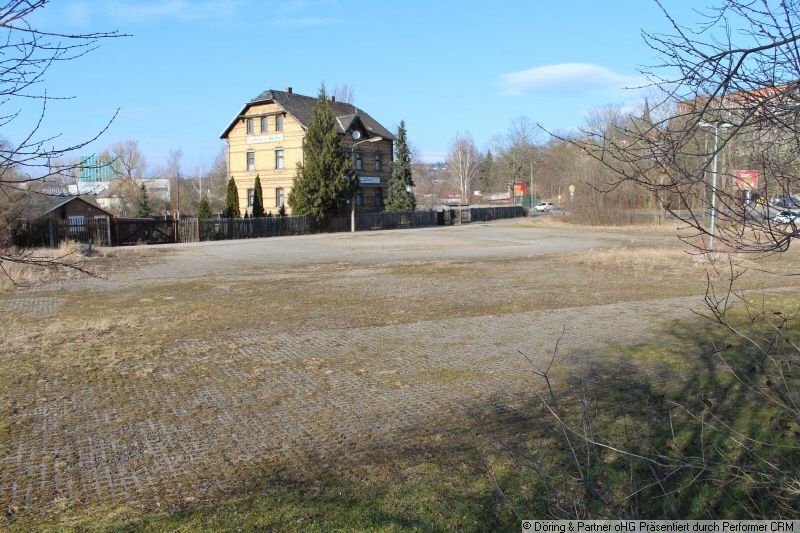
column 128, row 161
column 128, row 165
column 173, row 172
column 729, row 92
column 519, row 150
column 344, row 93
column 463, row 164
column 728, row 95
column 26, row 55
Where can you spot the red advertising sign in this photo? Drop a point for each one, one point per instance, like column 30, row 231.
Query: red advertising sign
column 747, row 179
column 520, row 188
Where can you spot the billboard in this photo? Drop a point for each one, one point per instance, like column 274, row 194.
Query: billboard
column 747, row 180
column 520, row 188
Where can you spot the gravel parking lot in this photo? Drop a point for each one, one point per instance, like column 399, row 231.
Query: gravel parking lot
column 172, row 382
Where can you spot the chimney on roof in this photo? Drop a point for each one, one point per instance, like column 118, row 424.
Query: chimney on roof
column 288, row 90
column 332, row 98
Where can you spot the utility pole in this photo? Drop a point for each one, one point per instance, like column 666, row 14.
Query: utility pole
column 715, row 128
column 531, row 192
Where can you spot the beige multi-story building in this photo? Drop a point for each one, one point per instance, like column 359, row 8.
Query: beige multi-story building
column 265, row 139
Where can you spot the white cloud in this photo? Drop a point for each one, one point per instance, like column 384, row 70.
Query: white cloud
column 567, row 79
column 77, row 13
column 306, row 13
column 294, row 13
column 306, row 22
column 81, row 13
column 171, row 9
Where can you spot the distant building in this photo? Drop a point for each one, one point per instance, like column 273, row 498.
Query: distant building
column 265, row 139
column 111, row 201
column 74, row 209
column 95, row 174
column 157, row 188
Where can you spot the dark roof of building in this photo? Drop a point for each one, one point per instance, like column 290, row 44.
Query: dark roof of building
column 302, row 107
column 48, row 204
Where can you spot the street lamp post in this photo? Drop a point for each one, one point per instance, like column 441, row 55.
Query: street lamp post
column 716, row 126
column 355, row 193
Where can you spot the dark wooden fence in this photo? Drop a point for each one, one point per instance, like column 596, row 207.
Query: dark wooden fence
column 131, row 231
column 48, row 232
column 247, row 228
column 485, row 214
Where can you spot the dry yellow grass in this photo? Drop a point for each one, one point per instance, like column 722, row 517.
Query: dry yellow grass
column 638, row 261
column 14, row 274
column 671, row 227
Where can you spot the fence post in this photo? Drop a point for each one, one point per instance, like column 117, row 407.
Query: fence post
column 51, row 232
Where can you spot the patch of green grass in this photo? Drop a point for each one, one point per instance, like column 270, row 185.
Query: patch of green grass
column 441, row 490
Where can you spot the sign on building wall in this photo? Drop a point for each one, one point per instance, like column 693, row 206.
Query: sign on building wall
column 747, row 179
column 275, row 137
column 369, row 180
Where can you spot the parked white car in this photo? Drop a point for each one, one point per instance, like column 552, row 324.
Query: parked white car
column 786, row 217
column 543, row 207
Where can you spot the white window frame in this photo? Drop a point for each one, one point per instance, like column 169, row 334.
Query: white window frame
column 249, row 126
column 251, row 160
column 76, row 224
column 280, row 159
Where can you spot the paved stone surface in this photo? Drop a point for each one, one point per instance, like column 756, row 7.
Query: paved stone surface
column 274, row 397
column 41, row 306
column 195, row 422
column 233, row 259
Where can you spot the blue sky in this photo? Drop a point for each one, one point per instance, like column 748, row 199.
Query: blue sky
column 443, row 67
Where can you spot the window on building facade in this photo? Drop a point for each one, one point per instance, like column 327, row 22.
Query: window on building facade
column 378, row 162
column 360, row 197
column 278, row 159
column 76, row 224
column 251, row 195
column 251, row 160
column 264, row 124
column 359, row 161
column 279, row 123
column 379, row 197
column 249, row 126
column 279, row 197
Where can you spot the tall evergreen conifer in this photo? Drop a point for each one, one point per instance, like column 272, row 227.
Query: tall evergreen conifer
column 486, row 173
column 231, row 201
column 400, row 197
column 203, row 209
column 258, row 199
column 325, row 180
column 142, row 203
